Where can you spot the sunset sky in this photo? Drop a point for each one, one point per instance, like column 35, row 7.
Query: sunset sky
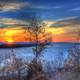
column 61, row 16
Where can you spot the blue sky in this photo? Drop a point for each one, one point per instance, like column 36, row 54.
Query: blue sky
column 46, row 9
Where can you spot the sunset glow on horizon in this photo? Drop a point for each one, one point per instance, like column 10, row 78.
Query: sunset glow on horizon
column 12, row 35
column 14, row 31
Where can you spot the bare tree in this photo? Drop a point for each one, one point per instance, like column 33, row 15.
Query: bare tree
column 40, row 38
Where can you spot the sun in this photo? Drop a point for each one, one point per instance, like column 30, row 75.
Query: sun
column 9, row 40
column 9, row 35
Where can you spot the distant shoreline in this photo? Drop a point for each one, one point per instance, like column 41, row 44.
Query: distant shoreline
column 30, row 44
column 19, row 44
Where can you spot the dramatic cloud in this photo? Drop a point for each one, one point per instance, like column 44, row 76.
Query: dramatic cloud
column 10, row 23
column 71, row 28
column 11, row 6
column 67, row 22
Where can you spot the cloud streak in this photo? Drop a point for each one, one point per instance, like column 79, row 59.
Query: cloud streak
column 46, row 7
column 69, row 21
column 75, row 9
column 12, row 6
column 10, row 23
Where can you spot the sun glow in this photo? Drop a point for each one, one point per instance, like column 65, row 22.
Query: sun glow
column 9, row 40
column 55, row 31
column 11, row 35
column 12, row 31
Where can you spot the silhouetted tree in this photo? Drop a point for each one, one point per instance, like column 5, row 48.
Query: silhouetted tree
column 40, row 38
column 38, row 35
